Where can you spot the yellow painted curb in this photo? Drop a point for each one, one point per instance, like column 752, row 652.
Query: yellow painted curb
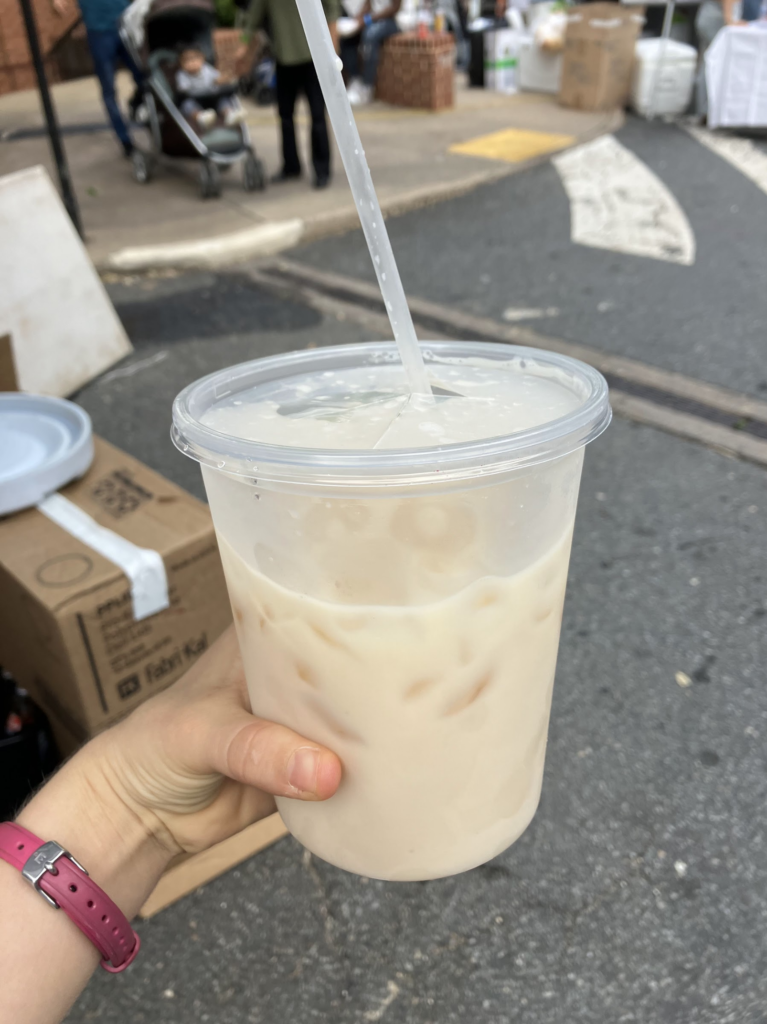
column 513, row 145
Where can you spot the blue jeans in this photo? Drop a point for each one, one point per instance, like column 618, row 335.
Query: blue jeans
column 106, row 49
column 369, row 40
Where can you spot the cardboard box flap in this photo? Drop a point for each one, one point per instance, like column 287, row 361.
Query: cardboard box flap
column 120, row 494
column 593, row 21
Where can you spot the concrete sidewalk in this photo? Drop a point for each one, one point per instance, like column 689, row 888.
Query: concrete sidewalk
column 134, row 227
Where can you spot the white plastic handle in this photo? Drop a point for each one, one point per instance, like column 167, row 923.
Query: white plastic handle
column 143, row 566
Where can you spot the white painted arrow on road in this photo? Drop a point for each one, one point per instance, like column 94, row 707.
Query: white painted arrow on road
column 618, row 203
column 741, row 153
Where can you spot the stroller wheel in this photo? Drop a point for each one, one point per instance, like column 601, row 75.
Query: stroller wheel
column 253, row 174
column 210, row 180
column 142, row 166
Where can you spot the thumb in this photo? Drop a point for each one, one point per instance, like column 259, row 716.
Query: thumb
column 272, row 758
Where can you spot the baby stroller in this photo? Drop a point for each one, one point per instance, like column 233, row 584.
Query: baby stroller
column 154, row 33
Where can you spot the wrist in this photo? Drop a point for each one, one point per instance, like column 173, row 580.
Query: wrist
column 121, row 847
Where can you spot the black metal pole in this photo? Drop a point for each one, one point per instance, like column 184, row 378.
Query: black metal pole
column 54, row 135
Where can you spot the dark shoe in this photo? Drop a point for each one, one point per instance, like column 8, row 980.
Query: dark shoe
column 322, row 181
column 128, row 148
column 283, row 175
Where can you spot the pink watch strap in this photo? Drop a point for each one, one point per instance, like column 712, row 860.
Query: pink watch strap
column 57, row 876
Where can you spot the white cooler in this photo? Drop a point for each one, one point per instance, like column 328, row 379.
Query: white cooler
column 665, row 90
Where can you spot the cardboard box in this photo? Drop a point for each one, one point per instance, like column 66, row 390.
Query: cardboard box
column 599, row 56
column 415, row 72
column 67, row 631
column 189, row 871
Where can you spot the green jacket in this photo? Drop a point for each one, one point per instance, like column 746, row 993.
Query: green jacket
column 285, row 28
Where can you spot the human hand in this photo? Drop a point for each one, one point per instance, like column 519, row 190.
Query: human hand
column 187, row 769
column 196, row 766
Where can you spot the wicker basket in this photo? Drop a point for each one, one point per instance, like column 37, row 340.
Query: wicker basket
column 226, row 42
column 417, row 72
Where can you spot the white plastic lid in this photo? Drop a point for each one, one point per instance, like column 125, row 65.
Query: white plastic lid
column 384, row 468
column 669, row 49
column 45, row 443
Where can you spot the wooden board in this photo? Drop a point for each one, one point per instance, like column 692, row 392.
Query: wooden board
column 184, row 876
column 8, row 381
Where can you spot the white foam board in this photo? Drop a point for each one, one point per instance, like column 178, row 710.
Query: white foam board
column 64, row 330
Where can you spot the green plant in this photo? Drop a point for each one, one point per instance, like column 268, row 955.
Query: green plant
column 225, row 13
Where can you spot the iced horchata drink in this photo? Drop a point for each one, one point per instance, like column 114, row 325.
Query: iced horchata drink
column 397, row 568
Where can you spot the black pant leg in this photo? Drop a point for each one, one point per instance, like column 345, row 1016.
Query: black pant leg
column 350, row 50
column 320, row 137
column 288, row 84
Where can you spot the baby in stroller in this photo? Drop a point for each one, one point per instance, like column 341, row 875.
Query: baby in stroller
column 199, row 85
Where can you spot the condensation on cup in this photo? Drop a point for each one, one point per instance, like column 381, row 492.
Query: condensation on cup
column 397, row 569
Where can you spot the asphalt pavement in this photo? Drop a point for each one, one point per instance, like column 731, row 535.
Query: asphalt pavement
column 638, row 892
column 508, row 244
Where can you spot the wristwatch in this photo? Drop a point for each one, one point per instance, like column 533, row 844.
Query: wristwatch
column 58, row 878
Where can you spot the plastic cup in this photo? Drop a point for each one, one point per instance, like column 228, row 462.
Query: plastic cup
column 402, row 607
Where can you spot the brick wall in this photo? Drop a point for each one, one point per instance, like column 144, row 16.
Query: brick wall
column 16, row 70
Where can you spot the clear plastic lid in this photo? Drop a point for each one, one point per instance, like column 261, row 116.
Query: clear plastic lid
column 309, row 385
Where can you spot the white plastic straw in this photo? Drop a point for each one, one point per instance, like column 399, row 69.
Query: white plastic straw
column 358, row 173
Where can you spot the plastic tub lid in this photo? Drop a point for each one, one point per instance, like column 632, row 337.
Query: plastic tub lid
column 300, row 468
column 44, row 444
column 670, row 49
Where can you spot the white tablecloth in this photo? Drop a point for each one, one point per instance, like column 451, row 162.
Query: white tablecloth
column 736, row 77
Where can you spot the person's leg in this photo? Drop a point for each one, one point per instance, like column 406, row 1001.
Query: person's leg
column 350, row 50
column 708, row 21
column 103, row 47
column 320, row 137
column 138, row 93
column 229, row 112
column 130, row 64
column 288, row 80
column 373, row 38
column 190, row 108
column 200, row 118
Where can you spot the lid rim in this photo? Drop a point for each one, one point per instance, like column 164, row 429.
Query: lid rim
column 376, row 467
column 28, row 487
